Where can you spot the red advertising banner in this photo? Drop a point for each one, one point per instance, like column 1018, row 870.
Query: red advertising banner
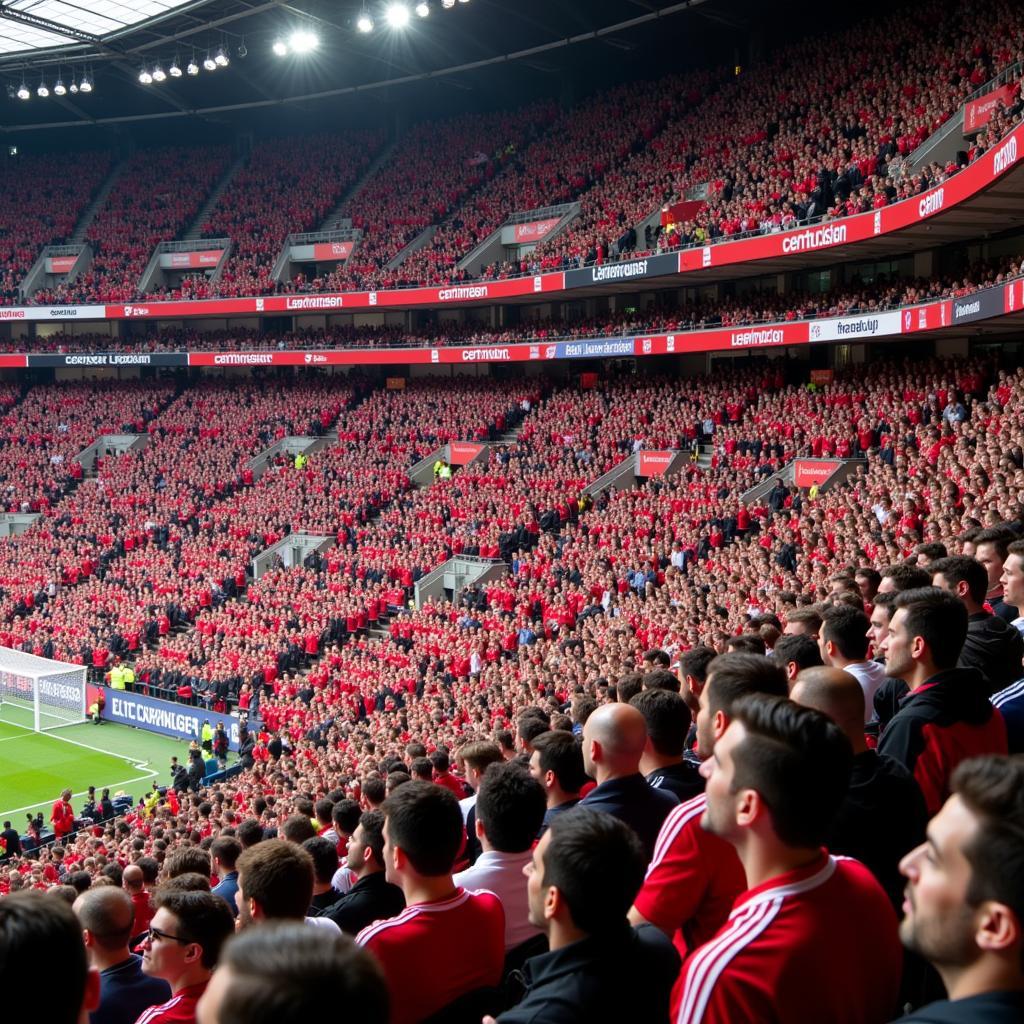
column 978, row 112
column 463, row 452
column 325, row 252
column 678, row 213
column 195, row 260
column 654, row 463
column 60, row 264
column 534, row 231
column 808, row 472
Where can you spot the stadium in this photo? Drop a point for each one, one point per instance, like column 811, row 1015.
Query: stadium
column 512, row 512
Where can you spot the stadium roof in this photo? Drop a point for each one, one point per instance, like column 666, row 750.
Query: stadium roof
column 44, row 24
column 466, row 55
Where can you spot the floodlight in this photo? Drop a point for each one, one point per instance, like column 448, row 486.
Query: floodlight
column 145, row 77
column 397, row 15
column 422, row 9
column 159, row 75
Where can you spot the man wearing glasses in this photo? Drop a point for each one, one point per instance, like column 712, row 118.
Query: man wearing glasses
column 182, row 947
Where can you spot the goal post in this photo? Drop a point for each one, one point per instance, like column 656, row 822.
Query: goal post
column 39, row 693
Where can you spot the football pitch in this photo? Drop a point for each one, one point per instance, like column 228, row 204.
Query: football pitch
column 36, row 767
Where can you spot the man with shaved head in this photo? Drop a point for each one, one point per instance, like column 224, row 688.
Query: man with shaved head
column 613, row 743
column 107, row 918
column 883, row 816
column 134, row 882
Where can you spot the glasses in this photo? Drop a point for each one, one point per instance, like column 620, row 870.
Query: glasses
column 155, row 933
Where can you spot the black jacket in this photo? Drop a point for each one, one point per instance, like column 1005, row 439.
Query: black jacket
column 622, row 977
column 994, row 648
column 683, row 779
column 947, row 719
column 990, row 1008
column 634, row 801
column 372, row 898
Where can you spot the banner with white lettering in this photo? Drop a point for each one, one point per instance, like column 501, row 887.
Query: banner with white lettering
column 164, row 716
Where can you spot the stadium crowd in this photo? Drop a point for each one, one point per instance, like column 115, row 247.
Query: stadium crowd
column 767, row 596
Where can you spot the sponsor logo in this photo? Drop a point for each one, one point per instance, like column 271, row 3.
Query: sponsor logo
column 550, row 351
column 130, row 359
column 670, row 343
column 435, row 356
column 906, row 320
column 473, row 355
column 763, row 336
column 657, row 459
column 866, row 325
column 646, row 345
column 85, row 360
column 313, row 302
column 705, row 256
column 535, row 351
column 136, row 311
column 932, row 203
column 259, row 305
column 878, row 222
column 1006, row 156
column 243, row 359
column 967, row 308
column 815, row 238
column 922, row 317
column 538, row 284
column 308, row 357
column 599, row 348
column 468, row 291
column 56, row 311
column 12, row 314
column 814, row 473
column 373, row 298
column 341, row 248
column 618, row 271
column 815, row 332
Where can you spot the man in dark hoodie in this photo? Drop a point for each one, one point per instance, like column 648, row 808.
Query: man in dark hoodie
column 993, row 646
column 946, row 717
column 592, row 948
column 965, row 896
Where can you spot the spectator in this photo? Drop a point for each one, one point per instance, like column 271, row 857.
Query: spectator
column 107, row 919
column 964, row 908
column 794, row 653
column 991, row 548
column 182, row 948
column 883, row 815
column 225, row 851
column 613, row 744
column 946, row 717
column 843, row 643
column 275, row 883
column 557, row 764
column 285, row 974
column 695, row 875
column 37, row 932
column 592, row 949
column 993, row 647
column 509, row 812
column 372, row 897
column 664, row 763
column 325, row 864
column 775, row 785
column 448, row 942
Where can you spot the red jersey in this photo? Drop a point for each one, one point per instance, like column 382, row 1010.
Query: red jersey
column 63, row 818
column 143, row 911
column 179, row 1009
column 793, row 952
column 432, row 953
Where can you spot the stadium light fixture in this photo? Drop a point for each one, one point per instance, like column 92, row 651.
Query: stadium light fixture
column 23, row 93
column 59, row 89
column 222, row 60
column 86, row 85
column 422, row 9
column 145, row 77
column 193, row 67
column 159, row 75
column 42, row 91
column 209, row 63
column 364, row 23
column 175, row 69
column 303, row 41
column 243, row 50
column 73, row 88
column 397, row 15
column 280, row 48
column 447, row 4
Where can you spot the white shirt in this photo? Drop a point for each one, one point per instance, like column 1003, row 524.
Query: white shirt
column 466, row 804
column 870, row 675
column 325, row 923
column 502, row 874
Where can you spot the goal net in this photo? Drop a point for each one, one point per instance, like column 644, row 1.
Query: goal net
column 40, row 694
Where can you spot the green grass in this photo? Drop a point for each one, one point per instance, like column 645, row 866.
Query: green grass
column 36, row 767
